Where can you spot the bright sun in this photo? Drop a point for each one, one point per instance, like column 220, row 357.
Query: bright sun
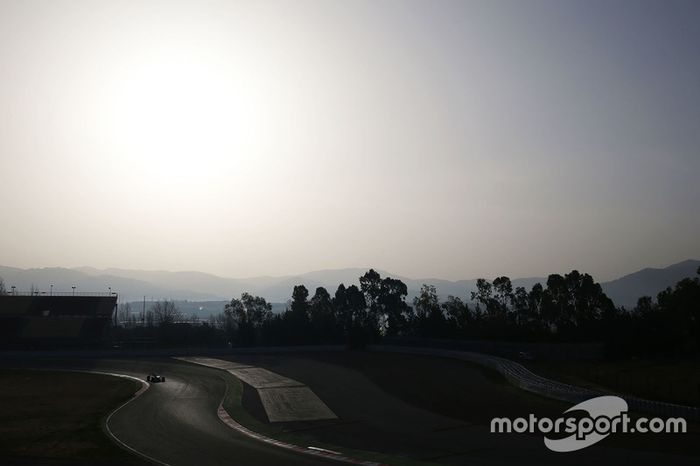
column 178, row 119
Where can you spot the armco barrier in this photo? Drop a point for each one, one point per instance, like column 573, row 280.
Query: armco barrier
column 521, row 377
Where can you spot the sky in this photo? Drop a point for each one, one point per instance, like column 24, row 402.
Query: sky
column 426, row 138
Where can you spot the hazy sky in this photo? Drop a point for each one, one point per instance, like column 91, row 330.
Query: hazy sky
column 427, row 138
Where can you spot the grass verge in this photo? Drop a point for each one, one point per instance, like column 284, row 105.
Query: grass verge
column 473, row 393
column 55, row 417
column 233, row 403
column 668, row 380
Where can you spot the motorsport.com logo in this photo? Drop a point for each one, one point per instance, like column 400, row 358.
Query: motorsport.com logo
column 606, row 415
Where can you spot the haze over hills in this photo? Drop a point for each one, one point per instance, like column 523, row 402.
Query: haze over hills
column 625, row 291
column 133, row 285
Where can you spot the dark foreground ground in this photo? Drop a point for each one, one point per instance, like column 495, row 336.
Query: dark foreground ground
column 172, row 423
column 671, row 380
column 54, row 418
column 438, row 410
column 411, row 409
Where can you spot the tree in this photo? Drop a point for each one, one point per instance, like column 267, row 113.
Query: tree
column 300, row 305
column 323, row 317
column 244, row 318
column 484, row 296
column 342, row 309
column 535, row 305
column 351, row 307
column 680, row 308
column 295, row 320
column 428, row 312
column 503, row 293
column 521, row 308
column 3, row 290
column 371, row 286
column 575, row 304
column 165, row 312
column 393, row 308
column 457, row 313
column 556, row 302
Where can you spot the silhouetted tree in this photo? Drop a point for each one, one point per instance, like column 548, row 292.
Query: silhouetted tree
column 503, row 296
column 165, row 312
column 296, row 318
column 371, row 286
column 680, row 307
column 556, row 301
column 429, row 315
column 484, row 297
column 521, row 307
column 342, row 309
column 351, row 307
column 576, row 303
column 323, row 316
column 245, row 317
column 396, row 313
column 457, row 314
column 535, row 304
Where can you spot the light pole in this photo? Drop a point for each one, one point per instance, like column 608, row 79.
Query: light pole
column 110, row 290
column 13, row 289
column 51, row 293
column 73, row 289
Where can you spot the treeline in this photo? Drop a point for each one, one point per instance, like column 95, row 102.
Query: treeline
column 567, row 308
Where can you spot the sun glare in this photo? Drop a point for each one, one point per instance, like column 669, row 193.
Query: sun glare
column 178, row 119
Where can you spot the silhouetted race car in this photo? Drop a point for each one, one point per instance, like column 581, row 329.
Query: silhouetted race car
column 155, row 378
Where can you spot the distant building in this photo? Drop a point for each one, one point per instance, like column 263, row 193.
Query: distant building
column 49, row 321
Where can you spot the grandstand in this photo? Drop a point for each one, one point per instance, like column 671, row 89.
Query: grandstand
column 32, row 320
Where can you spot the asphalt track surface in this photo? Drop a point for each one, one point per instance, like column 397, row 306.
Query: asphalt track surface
column 175, row 423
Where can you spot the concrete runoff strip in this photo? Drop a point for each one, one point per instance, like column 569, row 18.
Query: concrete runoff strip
column 260, row 378
column 284, row 399
column 212, row 362
column 293, row 403
column 256, row 377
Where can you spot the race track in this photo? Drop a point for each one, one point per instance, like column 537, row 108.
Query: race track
column 176, row 423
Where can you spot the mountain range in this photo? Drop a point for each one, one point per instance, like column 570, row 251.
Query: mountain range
column 134, row 285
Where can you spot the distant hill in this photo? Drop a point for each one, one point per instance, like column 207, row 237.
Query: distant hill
column 63, row 279
column 279, row 289
column 133, row 285
column 625, row 291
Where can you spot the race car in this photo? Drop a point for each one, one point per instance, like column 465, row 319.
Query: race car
column 155, row 378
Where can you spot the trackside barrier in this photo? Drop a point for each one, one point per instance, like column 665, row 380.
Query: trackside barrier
column 521, row 377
